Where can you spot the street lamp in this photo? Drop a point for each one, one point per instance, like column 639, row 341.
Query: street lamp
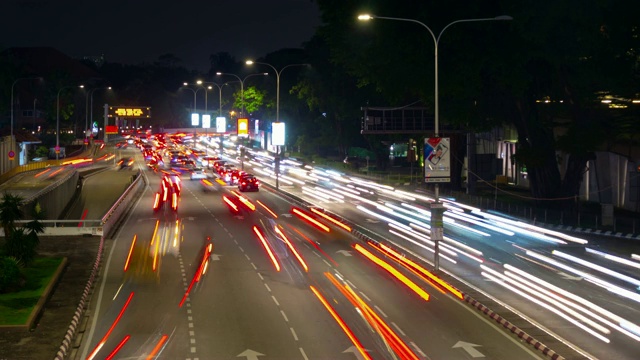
column 194, row 95
column 436, row 206
column 12, row 85
column 219, row 93
column 242, row 85
column 58, row 118
column 89, row 107
column 278, row 73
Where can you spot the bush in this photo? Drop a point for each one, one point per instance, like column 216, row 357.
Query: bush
column 21, row 246
column 9, row 273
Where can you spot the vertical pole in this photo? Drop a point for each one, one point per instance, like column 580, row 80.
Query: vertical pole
column 58, row 124
column 436, row 207
column 106, row 116
column 91, row 110
column 34, row 113
column 277, row 167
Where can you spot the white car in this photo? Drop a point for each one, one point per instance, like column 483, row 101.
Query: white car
column 198, row 173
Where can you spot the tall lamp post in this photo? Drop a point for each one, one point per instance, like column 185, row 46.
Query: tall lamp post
column 241, row 80
column 58, row 118
column 12, row 86
column 89, row 107
column 436, row 207
column 278, row 73
column 219, row 93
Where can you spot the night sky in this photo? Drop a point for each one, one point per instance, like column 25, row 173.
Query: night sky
column 134, row 31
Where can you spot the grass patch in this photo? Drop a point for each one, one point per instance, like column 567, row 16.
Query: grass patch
column 15, row 307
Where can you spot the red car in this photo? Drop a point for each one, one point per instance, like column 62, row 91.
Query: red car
column 248, row 182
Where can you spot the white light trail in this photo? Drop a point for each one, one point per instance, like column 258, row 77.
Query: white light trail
column 593, row 266
column 614, row 258
column 498, row 278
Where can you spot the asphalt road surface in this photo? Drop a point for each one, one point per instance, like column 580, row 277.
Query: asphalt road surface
column 243, row 307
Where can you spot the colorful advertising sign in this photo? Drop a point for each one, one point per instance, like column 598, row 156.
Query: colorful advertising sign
column 221, row 124
column 195, row 119
column 206, row 121
column 437, row 160
column 111, row 129
column 130, row 111
column 243, row 127
column 277, row 134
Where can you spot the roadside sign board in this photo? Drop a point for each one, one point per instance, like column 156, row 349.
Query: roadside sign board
column 437, row 160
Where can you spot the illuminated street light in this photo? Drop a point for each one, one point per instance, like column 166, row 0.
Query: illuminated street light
column 436, row 206
column 58, row 117
column 12, row 85
column 241, row 85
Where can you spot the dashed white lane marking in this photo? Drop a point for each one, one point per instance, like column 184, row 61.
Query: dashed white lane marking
column 380, row 310
column 284, row 315
column 317, row 254
column 326, row 262
column 192, row 334
column 417, row 349
column 398, row 328
column 365, row 296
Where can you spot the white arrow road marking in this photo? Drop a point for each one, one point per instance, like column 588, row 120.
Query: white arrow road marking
column 354, row 350
column 569, row 277
column 372, row 221
column 469, row 348
column 286, row 215
column 250, row 354
column 215, row 257
column 343, row 252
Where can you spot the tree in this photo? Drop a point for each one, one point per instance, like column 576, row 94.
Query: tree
column 494, row 73
column 10, row 212
column 20, row 243
column 253, row 99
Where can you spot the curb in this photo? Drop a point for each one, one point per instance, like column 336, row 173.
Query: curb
column 610, row 233
column 37, row 309
column 77, row 317
column 514, row 329
column 545, row 350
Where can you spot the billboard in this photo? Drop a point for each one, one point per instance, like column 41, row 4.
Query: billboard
column 277, row 134
column 437, row 160
column 221, row 124
column 206, row 121
column 130, row 111
column 195, row 119
column 243, row 127
column 111, row 129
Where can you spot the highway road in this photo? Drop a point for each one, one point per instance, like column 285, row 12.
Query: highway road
column 573, row 292
column 258, row 299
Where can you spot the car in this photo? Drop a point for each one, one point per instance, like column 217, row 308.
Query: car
column 248, row 183
column 125, row 162
column 235, row 176
column 169, row 193
column 208, row 161
column 198, row 173
column 188, row 165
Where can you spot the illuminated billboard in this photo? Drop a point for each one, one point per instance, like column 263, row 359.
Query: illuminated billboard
column 111, row 129
column 206, row 121
column 130, row 111
column 195, row 119
column 437, row 161
column 243, row 127
column 221, row 124
column 277, row 134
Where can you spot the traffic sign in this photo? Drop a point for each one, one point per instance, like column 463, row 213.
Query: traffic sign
column 11, row 154
column 57, row 148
